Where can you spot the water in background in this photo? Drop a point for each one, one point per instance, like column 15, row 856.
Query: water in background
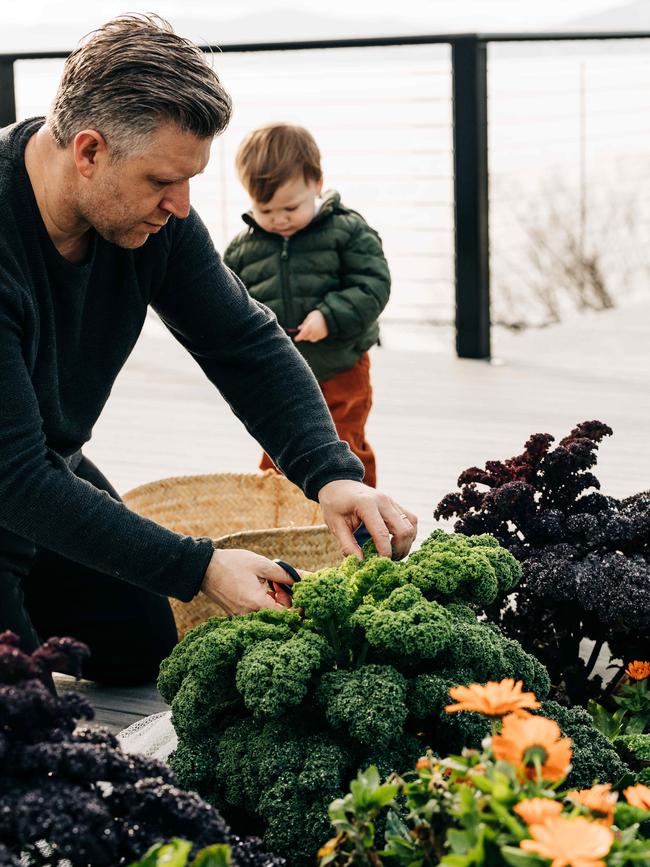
column 568, row 159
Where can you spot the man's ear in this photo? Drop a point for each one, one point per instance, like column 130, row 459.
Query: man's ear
column 319, row 186
column 89, row 150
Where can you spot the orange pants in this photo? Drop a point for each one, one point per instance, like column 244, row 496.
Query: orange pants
column 349, row 397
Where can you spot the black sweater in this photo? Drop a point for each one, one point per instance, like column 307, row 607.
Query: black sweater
column 65, row 332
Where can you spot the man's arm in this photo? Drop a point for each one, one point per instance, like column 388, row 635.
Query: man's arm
column 246, row 355
column 244, row 352
column 43, row 501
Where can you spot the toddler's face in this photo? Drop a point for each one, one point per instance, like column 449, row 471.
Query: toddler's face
column 290, row 209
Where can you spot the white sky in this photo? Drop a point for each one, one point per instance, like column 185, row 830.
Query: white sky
column 432, row 15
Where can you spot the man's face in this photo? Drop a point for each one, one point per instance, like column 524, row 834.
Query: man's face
column 129, row 199
column 291, row 208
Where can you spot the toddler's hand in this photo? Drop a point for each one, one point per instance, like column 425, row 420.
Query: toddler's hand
column 313, row 328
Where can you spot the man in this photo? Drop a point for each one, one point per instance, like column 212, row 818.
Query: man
column 97, row 225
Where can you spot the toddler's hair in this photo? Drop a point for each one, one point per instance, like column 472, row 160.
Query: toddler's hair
column 272, row 155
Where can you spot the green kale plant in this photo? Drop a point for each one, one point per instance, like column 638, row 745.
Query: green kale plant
column 277, row 711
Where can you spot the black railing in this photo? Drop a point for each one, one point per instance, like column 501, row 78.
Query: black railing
column 470, row 150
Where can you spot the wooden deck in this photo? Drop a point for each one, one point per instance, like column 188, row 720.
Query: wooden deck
column 433, row 416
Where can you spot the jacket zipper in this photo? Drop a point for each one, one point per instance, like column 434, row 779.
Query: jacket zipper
column 284, row 274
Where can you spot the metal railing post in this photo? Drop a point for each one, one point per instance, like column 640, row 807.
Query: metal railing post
column 7, row 93
column 469, row 71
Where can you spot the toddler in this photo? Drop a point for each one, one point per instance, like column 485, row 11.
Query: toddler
column 318, row 266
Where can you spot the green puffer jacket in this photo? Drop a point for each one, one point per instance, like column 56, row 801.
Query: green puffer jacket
column 335, row 264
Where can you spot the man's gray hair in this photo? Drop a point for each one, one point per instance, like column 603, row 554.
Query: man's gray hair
column 129, row 77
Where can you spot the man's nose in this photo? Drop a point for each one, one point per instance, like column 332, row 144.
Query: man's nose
column 177, row 199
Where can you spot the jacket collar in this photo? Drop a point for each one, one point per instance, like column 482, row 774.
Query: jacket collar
column 331, row 199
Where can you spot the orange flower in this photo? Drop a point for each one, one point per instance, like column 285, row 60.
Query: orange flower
column 570, row 842
column 638, row 670
column 493, row 699
column 600, row 800
column 535, row 811
column 533, row 742
column 638, row 796
column 422, row 764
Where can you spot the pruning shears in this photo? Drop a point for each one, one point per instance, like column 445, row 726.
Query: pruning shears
column 292, row 572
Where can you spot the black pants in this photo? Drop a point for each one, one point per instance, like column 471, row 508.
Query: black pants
column 128, row 630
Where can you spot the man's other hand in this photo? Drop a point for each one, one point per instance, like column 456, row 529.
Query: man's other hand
column 237, row 580
column 347, row 504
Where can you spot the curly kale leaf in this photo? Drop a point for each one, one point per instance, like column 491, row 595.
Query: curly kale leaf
column 454, row 566
column 594, row 758
column 405, row 626
column 529, row 496
column 208, row 691
column 287, row 774
column 482, row 652
column 273, row 677
column 368, row 703
column 635, row 749
column 325, row 599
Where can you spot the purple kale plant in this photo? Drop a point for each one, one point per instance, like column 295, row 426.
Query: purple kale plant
column 71, row 796
column 585, row 556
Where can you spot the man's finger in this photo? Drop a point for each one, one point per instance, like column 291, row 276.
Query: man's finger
column 280, row 595
column 270, row 571
column 344, row 534
column 376, row 526
column 403, row 525
column 267, row 601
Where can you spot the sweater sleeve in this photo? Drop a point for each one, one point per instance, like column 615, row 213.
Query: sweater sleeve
column 231, row 257
column 364, row 285
column 43, row 501
column 246, row 355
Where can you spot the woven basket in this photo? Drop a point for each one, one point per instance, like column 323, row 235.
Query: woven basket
column 262, row 513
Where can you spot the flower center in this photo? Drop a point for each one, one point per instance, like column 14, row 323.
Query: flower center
column 535, row 756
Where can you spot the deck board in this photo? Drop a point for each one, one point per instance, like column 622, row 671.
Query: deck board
column 433, row 416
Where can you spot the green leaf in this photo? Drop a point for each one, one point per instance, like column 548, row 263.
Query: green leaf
column 384, row 794
column 456, row 861
column 506, row 818
column 401, row 849
column 172, row 854
column 636, row 725
column 627, row 816
column 370, row 777
column 396, row 827
column 459, row 841
column 608, row 724
column 518, row 858
column 218, row 855
column 150, row 858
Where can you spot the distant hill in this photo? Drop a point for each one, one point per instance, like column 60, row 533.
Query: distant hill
column 211, row 28
column 204, row 23
column 628, row 16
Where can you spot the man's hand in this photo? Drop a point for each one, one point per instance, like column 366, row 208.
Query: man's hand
column 313, row 328
column 347, row 504
column 237, row 581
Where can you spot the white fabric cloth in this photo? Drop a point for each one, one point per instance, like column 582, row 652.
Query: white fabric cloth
column 153, row 736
